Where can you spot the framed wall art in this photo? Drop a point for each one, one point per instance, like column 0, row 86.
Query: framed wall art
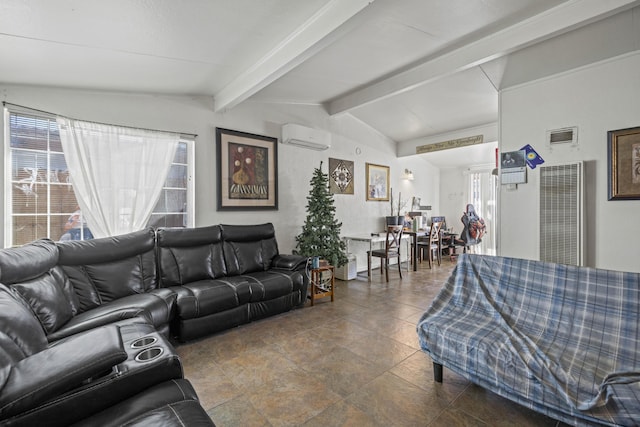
column 377, row 182
column 341, row 176
column 624, row 164
column 247, row 171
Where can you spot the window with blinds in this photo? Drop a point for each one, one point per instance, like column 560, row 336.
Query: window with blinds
column 561, row 214
column 40, row 201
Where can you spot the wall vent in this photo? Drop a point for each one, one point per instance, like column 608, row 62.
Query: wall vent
column 562, row 214
column 562, row 136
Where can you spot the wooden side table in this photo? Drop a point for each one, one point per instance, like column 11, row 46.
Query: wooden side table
column 322, row 282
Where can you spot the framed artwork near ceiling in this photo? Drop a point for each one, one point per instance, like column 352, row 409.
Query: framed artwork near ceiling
column 377, row 178
column 341, row 176
column 624, row 164
column 247, row 171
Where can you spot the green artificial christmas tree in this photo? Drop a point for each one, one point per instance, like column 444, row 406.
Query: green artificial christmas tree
column 321, row 231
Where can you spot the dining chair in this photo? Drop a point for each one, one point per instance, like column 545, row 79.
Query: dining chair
column 391, row 250
column 432, row 245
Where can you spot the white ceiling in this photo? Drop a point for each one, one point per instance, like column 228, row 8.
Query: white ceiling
column 407, row 68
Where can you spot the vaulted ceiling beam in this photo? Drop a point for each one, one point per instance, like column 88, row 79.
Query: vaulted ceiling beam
column 313, row 35
column 562, row 18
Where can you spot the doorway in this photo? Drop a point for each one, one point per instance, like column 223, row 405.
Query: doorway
column 482, row 191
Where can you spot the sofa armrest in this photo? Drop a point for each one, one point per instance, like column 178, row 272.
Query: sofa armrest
column 289, row 262
column 60, row 368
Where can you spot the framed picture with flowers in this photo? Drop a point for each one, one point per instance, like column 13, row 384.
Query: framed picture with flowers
column 247, row 171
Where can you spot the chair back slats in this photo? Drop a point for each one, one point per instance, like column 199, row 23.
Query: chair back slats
column 434, row 233
column 391, row 250
column 394, row 237
column 432, row 244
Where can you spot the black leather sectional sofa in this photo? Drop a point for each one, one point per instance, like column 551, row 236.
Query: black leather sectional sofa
column 86, row 327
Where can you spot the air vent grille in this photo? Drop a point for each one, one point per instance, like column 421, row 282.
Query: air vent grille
column 562, row 136
column 561, row 212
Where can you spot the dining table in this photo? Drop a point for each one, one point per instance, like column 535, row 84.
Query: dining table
column 411, row 234
column 414, row 244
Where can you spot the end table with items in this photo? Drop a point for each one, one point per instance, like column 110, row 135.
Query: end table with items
column 322, row 282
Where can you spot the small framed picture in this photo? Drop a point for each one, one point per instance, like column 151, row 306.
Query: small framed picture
column 377, row 180
column 341, row 176
column 624, row 164
column 247, row 171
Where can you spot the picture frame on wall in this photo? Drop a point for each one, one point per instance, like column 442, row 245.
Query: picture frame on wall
column 377, row 179
column 341, row 174
column 624, row 164
column 247, row 171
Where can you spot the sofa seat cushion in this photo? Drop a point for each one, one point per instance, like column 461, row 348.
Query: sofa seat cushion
column 271, row 284
column 171, row 403
column 156, row 308
column 206, row 297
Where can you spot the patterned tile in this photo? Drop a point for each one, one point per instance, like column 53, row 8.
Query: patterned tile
column 238, row 412
column 351, row 362
column 343, row 371
column 397, row 401
column 292, row 398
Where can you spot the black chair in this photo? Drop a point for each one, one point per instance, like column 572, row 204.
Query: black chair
column 391, row 250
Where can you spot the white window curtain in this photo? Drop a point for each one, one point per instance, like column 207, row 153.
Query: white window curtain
column 117, row 172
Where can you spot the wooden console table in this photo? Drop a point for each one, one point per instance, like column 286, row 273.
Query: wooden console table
column 379, row 238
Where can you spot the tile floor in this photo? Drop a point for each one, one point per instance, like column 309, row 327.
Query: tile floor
column 353, row 362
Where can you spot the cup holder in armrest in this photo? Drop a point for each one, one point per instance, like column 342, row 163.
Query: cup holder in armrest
column 149, row 354
column 144, row 342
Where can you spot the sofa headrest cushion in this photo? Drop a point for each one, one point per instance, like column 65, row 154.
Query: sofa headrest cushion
column 27, row 262
column 248, row 233
column 248, row 248
column 188, row 237
column 107, row 249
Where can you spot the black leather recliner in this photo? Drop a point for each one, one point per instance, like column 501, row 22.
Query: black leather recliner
column 74, row 378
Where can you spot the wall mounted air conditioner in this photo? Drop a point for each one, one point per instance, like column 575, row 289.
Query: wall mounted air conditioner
column 302, row 136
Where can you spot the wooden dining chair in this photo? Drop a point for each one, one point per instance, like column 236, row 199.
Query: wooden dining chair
column 432, row 245
column 391, row 250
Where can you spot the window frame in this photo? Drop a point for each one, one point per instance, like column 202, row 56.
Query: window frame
column 9, row 214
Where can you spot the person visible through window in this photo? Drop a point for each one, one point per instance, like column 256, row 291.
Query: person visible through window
column 76, row 227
